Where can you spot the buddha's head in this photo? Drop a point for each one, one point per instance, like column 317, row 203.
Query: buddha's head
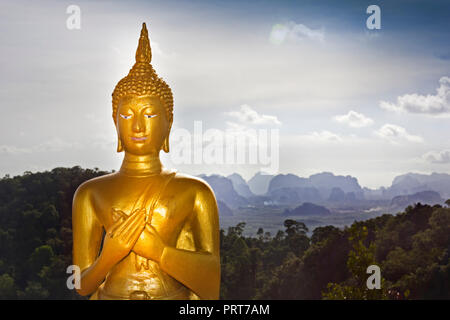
column 142, row 106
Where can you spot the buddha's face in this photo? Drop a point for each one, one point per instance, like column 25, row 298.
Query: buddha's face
column 142, row 124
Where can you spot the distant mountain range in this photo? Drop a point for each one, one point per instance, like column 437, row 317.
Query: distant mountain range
column 413, row 182
column 324, row 190
column 424, row 197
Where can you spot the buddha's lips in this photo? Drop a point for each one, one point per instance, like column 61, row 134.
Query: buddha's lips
column 138, row 138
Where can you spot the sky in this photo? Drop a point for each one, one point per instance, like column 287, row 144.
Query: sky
column 337, row 96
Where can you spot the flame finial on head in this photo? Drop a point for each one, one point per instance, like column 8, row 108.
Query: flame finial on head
column 144, row 52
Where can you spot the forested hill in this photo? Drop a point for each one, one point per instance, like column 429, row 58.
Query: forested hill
column 36, row 232
column 411, row 248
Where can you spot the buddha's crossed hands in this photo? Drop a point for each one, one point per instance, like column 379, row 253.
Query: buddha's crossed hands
column 150, row 245
column 145, row 242
column 122, row 236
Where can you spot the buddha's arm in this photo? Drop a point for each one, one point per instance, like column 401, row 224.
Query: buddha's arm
column 199, row 270
column 87, row 237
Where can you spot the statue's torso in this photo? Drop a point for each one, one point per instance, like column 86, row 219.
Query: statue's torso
column 136, row 277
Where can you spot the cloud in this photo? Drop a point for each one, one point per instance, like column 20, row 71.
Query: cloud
column 52, row 145
column 430, row 104
column 292, row 31
column 12, row 150
column 235, row 127
column 437, row 156
column 395, row 134
column 319, row 138
column 354, row 119
column 55, row 144
column 322, row 136
column 249, row 116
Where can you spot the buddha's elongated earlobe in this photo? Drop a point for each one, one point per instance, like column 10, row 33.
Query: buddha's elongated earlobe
column 119, row 145
column 166, row 144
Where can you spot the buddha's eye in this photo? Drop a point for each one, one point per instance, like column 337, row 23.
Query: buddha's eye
column 125, row 116
column 149, row 116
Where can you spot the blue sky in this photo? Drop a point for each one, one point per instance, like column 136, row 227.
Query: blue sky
column 346, row 99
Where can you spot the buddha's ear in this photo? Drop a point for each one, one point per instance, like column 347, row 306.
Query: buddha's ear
column 166, row 144
column 119, row 145
column 119, row 141
column 114, row 117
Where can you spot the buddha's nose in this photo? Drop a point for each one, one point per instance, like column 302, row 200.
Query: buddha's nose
column 138, row 124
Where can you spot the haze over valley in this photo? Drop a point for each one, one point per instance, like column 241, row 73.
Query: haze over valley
column 321, row 199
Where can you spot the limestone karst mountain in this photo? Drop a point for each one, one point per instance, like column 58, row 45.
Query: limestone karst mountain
column 423, row 197
column 224, row 210
column 240, row 185
column 224, row 190
column 411, row 183
column 291, row 188
column 307, row 209
column 259, row 183
column 325, row 182
column 338, row 195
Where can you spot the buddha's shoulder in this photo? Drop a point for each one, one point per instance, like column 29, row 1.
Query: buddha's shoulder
column 94, row 185
column 192, row 183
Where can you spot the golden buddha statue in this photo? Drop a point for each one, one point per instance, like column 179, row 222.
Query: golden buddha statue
column 145, row 232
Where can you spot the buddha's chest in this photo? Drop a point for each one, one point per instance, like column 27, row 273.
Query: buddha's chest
column 167, row 210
